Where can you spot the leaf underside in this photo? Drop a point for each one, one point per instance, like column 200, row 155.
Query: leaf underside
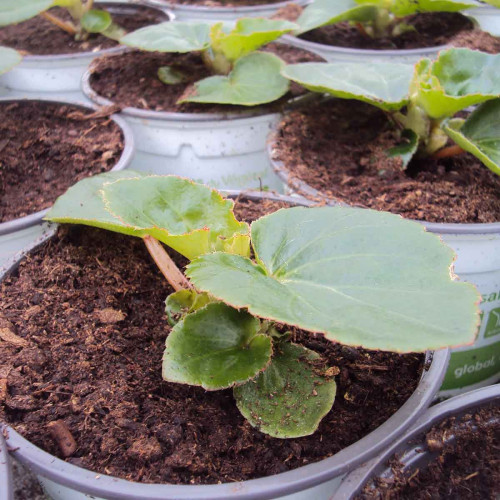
column 12, row 12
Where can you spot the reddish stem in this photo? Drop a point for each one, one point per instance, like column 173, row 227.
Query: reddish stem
column 448, row 152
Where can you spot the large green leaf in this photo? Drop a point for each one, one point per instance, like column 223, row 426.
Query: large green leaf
column 215, row 348
column 361, row 277
column 290, row 398
column 458, row 79
column 8, row 59
column 255, row 79
column 384, row 85
column 480, row 134
column 170, row 37
column 323, row 12
column 15, row 11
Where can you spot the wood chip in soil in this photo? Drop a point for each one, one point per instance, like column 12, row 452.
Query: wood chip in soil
column 103, row 380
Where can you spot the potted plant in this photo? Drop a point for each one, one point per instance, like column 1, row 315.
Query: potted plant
column 60, row 39
column 250, row 342
column 228, row 11
column 379, row 30
column 414, row 158
column 431, row 454
column 46, row 146
column 201, row 99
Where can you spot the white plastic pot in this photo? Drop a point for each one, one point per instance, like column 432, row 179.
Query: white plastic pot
column 6, row 486
column 488, row 18
column 60, row 75
column 225, row 151
column 63, row 481
column 478, row 261
column 19, row 234
column 225, row 14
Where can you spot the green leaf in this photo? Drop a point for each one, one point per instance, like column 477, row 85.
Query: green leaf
column 361, row 277
column 384, row 85
column 170, row 37
column 8, row 59
column 459, row 78
column 248, row 35
column 495, row 3
column 403, row 8
column 96, row 21
column 324, row 12
column 406, row 149
column 291, row 397
column 255, row 79
column 171, row 76
column 216, row 348
column 183, row 302
column 15, row 11
column 479, row 134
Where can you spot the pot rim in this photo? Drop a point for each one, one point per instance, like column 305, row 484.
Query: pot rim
column 123, row 162
column 6, row 485
column 356, row 480
column 269, row 487
column 295, row 183
column 37, row 58
column 237, row 10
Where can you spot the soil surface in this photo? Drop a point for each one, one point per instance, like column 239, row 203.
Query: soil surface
column 131, row 79
column 87, row 331
column 464, row 468
column 40, row 37
column 431, row 30
column 339, row 148
column 221, row 3
column 477, row 40
column 45, row 148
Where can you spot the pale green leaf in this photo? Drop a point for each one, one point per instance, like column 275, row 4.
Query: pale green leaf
column 361, row 277
column 171, row 76
column 170, row 37
column 403, row 8
column 384, row 85
column 8, row 59
column 289, row 399
column 96, row 21
column 406, row 149
column 480, row 134
column 216, row 348
column 255, row 79
column 15, row 11
column 183, row 302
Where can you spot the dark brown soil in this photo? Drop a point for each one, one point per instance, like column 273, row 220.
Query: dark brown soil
column 339, row 147
column 131, row 79
column 88, row 312
column 220, row 3
column 41, row 37
column 43, row 151
column 477, row 40
column 431, row 30
column 464, row 468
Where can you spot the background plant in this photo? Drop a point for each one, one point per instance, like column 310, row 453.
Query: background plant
column 423, row 101
column 359, row 277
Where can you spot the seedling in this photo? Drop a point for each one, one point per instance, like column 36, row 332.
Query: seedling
column 359, row 277
column 8, row 59
column 85, row 19
column 422, row 101
column 374, row 18
column 242, row 76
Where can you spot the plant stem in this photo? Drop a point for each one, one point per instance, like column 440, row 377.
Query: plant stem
column 448, row 152
column 65, row 26
column 166, row 265
column 90, row 4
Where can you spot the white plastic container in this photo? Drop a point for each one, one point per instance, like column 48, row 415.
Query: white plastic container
column 60, row 75
column 488, row 18
column 18, row 234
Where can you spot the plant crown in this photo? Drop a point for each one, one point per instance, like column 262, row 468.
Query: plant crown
column 359, row 277
column 242, row 75
column 423, row 100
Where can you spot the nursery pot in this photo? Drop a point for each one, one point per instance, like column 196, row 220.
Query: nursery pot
column 60, row 75
column 408, row 448
column 478, row 261
column 315, row 481
column 201, row 13
column 6, row 485
column 488, row 18
column 19, row 234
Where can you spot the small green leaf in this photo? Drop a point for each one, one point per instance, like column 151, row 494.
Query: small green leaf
column 171, row 76
column 15, row 11
column 96, row 21
column 290, row 398
column 248, row 35
column 479, row 134
column 255, row 79
column 114, row 32
column 183, row 302
column 406, row 149
column 384, row 85
column 361, row 277
column 216, row 348
column 170, row 37
column 8, row 59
